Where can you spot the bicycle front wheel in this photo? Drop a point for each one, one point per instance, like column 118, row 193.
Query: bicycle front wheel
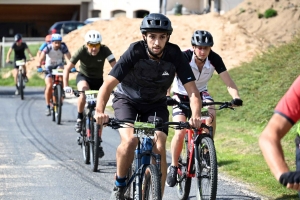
column 208, row 181
column 184, row 182
column 21, row 85
column 85, row 144
column 94, row 145
column 151, row 185
column 58, row 99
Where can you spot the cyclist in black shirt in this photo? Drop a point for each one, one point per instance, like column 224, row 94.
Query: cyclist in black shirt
column 19, row 48
column 142, row 76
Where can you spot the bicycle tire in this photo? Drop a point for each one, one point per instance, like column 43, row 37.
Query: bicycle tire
column 85, row 144
column 128, row 193
column 58, row 99
column 94, row 145
column 151, row 183
column 207, row 183
column 184, row 186
column 53, row 108
column 21, row 89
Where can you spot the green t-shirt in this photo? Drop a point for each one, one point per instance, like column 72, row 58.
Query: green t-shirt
column 92, row 66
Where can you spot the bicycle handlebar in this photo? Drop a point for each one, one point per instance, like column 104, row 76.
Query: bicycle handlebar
column 183, row 106
column 114, row 123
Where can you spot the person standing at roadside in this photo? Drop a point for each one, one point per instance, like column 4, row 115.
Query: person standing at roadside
column 19, row 48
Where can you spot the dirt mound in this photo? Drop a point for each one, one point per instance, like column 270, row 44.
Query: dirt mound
column 238, row 35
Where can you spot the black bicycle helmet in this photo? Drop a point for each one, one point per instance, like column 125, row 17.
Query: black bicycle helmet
column 202, row 38
column 18, row 37
column 156, row 22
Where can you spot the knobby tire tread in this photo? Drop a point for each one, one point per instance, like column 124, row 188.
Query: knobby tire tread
column 212, row 193
column 151, row 182
column 94, row 145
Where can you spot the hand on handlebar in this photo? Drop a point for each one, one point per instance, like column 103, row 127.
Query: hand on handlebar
column 101, row 118
column 171, row 101
column 39, row 69
column 237, row 102
column 68, row 89
column 291, row 180
column 73, row 70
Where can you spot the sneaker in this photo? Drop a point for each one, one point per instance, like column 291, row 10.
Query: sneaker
column 17, row 92
column 48, row 112
column 78, row 126
column 117, row 193
column 171, row 176
column 101, row 152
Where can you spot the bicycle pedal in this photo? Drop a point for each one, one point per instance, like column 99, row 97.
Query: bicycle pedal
column 79, row 140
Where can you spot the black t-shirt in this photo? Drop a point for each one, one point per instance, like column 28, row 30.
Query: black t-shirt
column 19, row 50
column 144, row 80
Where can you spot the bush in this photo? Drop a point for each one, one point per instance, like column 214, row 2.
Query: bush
column 260, row 15
column 270, row 13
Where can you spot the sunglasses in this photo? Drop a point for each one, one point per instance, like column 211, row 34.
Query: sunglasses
column 93, row 45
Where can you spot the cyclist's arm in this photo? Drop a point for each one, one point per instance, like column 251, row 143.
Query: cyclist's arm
column 41, row 58
column 68, row 55
column 8, row 54
column 67, row 69
column 29, row 53
column 104, row 92
column 231, row 86
column 112, row 64
column 270, row 145
column 195, row 102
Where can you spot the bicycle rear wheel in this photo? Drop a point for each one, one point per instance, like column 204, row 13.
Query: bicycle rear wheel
column 94, row 145
column 85, row 144
column 20, row 84
column 184, row 182
column 151, row 189
column 207, row 183
column 58, row 99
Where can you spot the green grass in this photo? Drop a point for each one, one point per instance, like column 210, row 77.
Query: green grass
column 261, row 83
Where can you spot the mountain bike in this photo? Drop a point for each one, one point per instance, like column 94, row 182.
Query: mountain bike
column 90, row 136
column 58, row 94
column 20, row 77
column 144, row 178
column 198, row 157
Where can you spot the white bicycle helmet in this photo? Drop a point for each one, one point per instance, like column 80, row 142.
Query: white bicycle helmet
column 93, row 37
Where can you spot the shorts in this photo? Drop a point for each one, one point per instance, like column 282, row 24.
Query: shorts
column 48, row 69
column 94, row 83
column 185, row 100
column 126, row 109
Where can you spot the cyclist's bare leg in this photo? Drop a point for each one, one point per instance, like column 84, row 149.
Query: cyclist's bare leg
column 48, row 90
column 160, row 148
column 125, row 151
column 177, row 140
column 15, row 72
column 82, row 86
column 211, row 121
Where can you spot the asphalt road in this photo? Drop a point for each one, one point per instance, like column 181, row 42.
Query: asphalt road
column 41, row 160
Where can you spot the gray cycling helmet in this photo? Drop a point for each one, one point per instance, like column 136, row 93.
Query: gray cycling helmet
column 156, row 22
column 202, row 38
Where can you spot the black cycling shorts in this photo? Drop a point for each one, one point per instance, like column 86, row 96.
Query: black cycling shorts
column 94, row 83
column 126, row 109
